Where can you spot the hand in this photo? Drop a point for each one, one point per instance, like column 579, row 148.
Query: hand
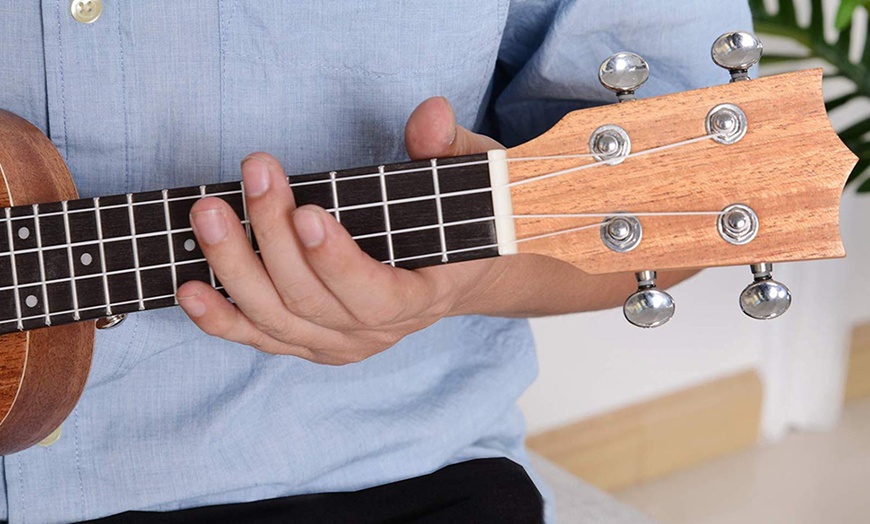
column 312, row 292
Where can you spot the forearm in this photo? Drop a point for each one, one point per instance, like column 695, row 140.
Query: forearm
column 531, row 286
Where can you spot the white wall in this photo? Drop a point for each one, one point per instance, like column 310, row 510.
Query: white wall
column 596, row 362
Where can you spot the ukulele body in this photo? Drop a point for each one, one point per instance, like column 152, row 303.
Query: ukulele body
column 42, row 372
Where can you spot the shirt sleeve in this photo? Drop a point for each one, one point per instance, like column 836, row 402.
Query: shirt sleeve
column 551, row 51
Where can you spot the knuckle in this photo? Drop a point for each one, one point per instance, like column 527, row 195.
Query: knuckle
column 376, row 317
column 269, row 223
column 353, row 357
column 258, row 342
column 222, row 327
column 299, row 299
column 276, row 325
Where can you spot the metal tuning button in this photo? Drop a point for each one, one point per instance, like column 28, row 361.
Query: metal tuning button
column 648, row 307
column 765, row 298
column 737, row 52
column 623, row 73
column 111, row 321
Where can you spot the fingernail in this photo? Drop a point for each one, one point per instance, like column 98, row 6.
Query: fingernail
column 452, row 136
column 255, row 174
column 210, row 225
column 309, row 227
column 192, row 305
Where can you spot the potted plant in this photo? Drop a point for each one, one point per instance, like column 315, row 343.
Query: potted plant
column 784, row 23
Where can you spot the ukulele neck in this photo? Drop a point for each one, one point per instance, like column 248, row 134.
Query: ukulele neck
column 69, row 261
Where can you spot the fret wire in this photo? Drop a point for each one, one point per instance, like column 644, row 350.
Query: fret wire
column 335, row 204
column 41, row 265
column 387, row 224
column 210, row 270
column 72, row 270
column 14, row 270
column 245, row 219
column 438, row 209
column 135, row 251
column 169, row 241
column 102, row 255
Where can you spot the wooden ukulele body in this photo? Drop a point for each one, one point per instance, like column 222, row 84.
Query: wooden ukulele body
column 42, row 372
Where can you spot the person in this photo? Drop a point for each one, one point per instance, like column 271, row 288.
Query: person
column 150, row 96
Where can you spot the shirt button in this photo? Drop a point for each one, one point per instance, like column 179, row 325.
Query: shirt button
column 51, row 439
column 86, row 11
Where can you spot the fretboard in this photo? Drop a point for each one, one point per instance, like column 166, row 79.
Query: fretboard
column 63, row 262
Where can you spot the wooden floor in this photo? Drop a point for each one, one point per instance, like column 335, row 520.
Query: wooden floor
column 804, row 479
column 657, row 437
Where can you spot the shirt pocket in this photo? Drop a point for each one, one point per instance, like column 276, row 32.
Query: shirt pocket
column 378, row 38
column 329, row 85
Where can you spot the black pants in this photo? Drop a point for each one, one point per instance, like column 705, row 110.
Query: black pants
column 478, row 491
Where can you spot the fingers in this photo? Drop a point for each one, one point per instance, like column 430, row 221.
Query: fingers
column 313, row 292
column 374, row 293
column 432, row 132
column 226, row 247
column 270, row 205
column 216, row 316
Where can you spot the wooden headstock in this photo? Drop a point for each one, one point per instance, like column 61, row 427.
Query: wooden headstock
column 790, row 168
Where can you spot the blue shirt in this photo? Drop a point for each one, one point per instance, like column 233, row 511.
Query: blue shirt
column 164, row 94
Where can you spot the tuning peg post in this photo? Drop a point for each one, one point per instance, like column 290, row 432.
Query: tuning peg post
column 737, row 52
column 648, row 307
column 624, row 73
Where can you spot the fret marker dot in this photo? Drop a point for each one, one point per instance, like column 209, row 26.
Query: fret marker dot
column 31, row 301
column 189, row 244
column 23, row 233
column 87, row 259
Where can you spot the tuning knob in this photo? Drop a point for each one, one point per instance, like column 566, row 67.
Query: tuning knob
column 623, row 73
column 111, row 321
column 737, row 52
column 765, row 298
column 648, row 307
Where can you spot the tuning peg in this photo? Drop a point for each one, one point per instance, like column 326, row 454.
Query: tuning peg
column 648, row 307
column 111, row 321
column 765, row 298
column 737, row 52
column 623, row 73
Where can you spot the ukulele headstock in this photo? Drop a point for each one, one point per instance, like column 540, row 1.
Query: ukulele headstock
column 749, row 172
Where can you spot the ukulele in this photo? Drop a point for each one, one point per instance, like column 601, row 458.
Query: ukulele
column 749, row 172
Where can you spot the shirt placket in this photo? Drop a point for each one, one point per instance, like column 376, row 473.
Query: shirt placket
column 86, row 107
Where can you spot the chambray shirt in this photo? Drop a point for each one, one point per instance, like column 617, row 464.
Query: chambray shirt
column 164, row 94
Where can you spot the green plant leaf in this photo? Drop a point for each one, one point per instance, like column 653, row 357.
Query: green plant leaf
column 776, row 59
column 865, row 187
column 834, row 103
column 787, row 12
column 847, row 11
column 812, row 38
column 859, row 168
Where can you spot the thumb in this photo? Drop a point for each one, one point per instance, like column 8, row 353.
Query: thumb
column 432, row 132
